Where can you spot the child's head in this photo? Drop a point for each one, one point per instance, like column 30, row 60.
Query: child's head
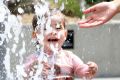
column 54, row 31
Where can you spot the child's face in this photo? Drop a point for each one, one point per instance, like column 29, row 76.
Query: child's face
column 54, row 33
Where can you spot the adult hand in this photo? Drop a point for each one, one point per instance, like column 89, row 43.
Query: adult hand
column 100, row 14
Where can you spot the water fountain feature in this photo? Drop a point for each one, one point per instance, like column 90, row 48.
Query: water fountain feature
column 3, row 34
column 6, row 27
column 8, row 23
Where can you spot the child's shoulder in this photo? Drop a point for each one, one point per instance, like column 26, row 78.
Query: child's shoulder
column 68, row 53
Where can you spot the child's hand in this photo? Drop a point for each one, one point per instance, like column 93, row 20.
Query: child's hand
column 93, row 68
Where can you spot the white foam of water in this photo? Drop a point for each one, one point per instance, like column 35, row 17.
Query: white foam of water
column 38, row 75
column 9, row 25
column 54, row 48
column 14, row 23
column 22, row 35
column 3, row 12
column 18, row 0
column 62, row 6
column 48, row 27
column 17, row 28
column 20, row 72
column 14, row 48
column 41, row 10
column 2, row 38
column 1, row 2
column 22, row 52
column 40, row 38
column 11, row 22
column 20, row 10
column 7, row 61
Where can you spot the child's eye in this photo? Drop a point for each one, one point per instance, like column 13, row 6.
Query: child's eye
column 58, row 26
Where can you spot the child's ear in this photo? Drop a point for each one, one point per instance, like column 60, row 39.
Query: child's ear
column 66, row 32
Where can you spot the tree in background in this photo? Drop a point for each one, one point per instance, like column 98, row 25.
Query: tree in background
column 92, row 2
column 71, row 7
column 26, row 5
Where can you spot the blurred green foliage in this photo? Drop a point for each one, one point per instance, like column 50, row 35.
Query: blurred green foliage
column 71, row 7
column 92, row 2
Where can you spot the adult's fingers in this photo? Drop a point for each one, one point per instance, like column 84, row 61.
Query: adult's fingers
column 91, row 24
column 89, row 10
column 84, row 21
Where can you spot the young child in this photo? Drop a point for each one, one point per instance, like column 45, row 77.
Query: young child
column 51, row 62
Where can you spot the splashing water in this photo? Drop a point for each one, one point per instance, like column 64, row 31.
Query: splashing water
column 8, row 23
column 15, row 25
column 11, row 22
column 41, row 10
column 4, row 12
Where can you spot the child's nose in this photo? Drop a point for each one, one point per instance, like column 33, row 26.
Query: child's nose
column 53, row 32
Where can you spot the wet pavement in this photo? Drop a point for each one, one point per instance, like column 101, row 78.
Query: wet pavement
column 106, row 79
column 102, row 79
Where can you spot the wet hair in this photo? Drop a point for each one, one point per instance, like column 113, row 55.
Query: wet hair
column 35, row 19
column 34, row 22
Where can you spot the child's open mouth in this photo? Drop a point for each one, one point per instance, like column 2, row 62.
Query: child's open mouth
column 53, row 40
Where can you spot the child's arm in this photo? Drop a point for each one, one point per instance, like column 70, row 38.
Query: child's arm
column 86, row 70
column 83, row 70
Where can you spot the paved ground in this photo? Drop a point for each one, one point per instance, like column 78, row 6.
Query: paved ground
column 107, row 79
column 102, row 79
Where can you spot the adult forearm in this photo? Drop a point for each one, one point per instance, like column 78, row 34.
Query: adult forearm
column 117, row 3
